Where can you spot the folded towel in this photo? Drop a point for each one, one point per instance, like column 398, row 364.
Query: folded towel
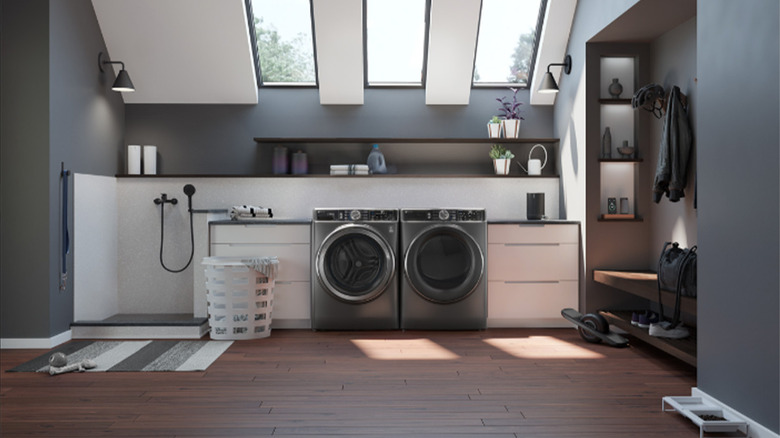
column 249, row 212
column 347, row 172
column 350, row 169
column 242, row 217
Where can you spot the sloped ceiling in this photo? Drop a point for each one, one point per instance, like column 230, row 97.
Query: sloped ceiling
column 181, row 51
column 199, row 51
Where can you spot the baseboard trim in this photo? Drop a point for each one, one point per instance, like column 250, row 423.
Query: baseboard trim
column 33, row 343
column 756, row 430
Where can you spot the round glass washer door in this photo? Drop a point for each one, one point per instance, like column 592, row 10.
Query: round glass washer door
column 355, row 264
column 444, row 264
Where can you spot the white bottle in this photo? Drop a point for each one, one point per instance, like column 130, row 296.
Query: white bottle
column 376, row 161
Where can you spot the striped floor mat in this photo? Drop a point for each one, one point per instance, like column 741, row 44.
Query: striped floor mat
column 135, row 355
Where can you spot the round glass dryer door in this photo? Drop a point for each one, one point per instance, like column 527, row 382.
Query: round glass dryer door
column 444, row 264
column 355, row 264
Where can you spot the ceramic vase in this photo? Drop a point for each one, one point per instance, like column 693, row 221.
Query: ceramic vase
column 606, row 144
column 615, row 88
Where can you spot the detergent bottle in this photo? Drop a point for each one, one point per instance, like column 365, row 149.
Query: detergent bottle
column 376, row 161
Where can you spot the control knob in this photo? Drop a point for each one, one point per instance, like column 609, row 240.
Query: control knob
column 444, row 215
column 354, row 215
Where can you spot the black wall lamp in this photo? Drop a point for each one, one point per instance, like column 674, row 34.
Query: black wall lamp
column 548, row 82
column 122, row 82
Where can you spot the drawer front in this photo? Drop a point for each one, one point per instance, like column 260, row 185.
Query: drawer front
column 530, row 301
column 292, row 300
column 294, row 259
column 519, row 262
column 260, row 233
column 533, row 233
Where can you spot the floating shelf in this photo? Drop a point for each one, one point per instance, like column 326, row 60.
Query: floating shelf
column 615, row 101
column 694, row 408
column 323, row 175
column 632, row 219
column 621, row 160
column 371, row 140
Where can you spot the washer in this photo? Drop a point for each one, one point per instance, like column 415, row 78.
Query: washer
column 444, row 286
column 355, row 269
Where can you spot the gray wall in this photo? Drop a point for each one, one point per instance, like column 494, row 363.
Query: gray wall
column 739, row 217
column 24, row 132
column 56, row 108
column 218, row 139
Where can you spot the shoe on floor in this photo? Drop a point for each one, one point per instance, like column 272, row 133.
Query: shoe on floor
column 634, row 319
column 665, row 330
column 647, row 318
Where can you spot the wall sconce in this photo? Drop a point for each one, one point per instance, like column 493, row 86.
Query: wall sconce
column 122, row 82
column 548, row 82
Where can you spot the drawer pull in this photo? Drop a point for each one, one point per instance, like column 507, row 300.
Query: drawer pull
column 533, row 282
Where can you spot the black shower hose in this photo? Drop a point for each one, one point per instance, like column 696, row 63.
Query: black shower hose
column 162, row 239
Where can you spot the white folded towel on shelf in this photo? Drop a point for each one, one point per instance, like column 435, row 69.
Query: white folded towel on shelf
column 349, row 169
column 250, row 212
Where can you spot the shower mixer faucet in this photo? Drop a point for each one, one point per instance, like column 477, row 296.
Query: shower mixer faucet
column 163, row 199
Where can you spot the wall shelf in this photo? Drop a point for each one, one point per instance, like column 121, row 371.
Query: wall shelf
column 309, row 175
column 615, row 101
column 642, row 284
column 621, row 160
column 608, row 219
column 370, row 140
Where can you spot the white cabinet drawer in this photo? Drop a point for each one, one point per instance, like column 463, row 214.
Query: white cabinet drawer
column 294, row 259
column 533, row 233
column 530, row 304
column 292, row 300
column 261, row 233
column 511, row 262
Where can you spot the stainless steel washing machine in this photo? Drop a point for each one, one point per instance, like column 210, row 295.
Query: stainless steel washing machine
column 444, row 286
column 355, row 269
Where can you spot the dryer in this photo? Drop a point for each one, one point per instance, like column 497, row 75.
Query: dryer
column 444, row 286
column 355, row 269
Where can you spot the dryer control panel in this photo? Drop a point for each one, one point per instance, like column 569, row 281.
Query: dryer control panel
column 443, row 215
column 355, row 215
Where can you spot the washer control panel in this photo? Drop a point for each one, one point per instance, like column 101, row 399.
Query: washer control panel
column 355, row 215
column 443, row 215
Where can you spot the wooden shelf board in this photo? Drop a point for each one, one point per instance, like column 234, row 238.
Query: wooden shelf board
column 683, row 349
column 322, row 175
column 610, row 101
column 620, row 160
column 634, row 219
column 371, row 140
column 642, row 284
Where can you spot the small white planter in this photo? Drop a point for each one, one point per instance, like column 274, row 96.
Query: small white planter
column 511, row 128
column 501, row 166
column 494, row 130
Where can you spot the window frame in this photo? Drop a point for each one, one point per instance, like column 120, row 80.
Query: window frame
column 531, row 67
column 256, row 53
column 396, row 85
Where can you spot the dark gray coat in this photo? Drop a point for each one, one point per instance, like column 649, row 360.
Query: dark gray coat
column 673, row 155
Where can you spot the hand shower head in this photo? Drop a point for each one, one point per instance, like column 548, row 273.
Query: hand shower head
column 189, row 190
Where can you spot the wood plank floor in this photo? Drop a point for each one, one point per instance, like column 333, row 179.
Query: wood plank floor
column 299, row 383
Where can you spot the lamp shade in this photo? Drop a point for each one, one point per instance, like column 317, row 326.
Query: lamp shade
column 123, row 82
column 548, row 84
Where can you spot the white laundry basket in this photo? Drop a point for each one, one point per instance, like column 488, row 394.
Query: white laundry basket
column 240, row 296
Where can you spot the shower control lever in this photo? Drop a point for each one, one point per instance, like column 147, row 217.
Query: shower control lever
column 164, row 199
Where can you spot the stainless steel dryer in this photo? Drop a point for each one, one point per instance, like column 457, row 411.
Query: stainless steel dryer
column 444, row 286
column 354, row 269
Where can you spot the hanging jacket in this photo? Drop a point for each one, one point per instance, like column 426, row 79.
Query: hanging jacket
column 671, row 173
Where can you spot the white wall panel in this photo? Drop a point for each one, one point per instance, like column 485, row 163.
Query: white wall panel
column 338, row 35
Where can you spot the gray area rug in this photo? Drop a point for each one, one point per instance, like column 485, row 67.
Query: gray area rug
column 135, row 355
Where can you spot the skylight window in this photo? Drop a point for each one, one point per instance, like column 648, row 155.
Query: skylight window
column 506, row 48
column 395, row 41
column 283, row 33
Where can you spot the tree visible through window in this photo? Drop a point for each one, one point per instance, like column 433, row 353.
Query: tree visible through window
column 284, row 41
column 507, row 41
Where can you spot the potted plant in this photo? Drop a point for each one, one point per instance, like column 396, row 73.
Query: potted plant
column 494, row 127
column 511, row 112
column 502, row 159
